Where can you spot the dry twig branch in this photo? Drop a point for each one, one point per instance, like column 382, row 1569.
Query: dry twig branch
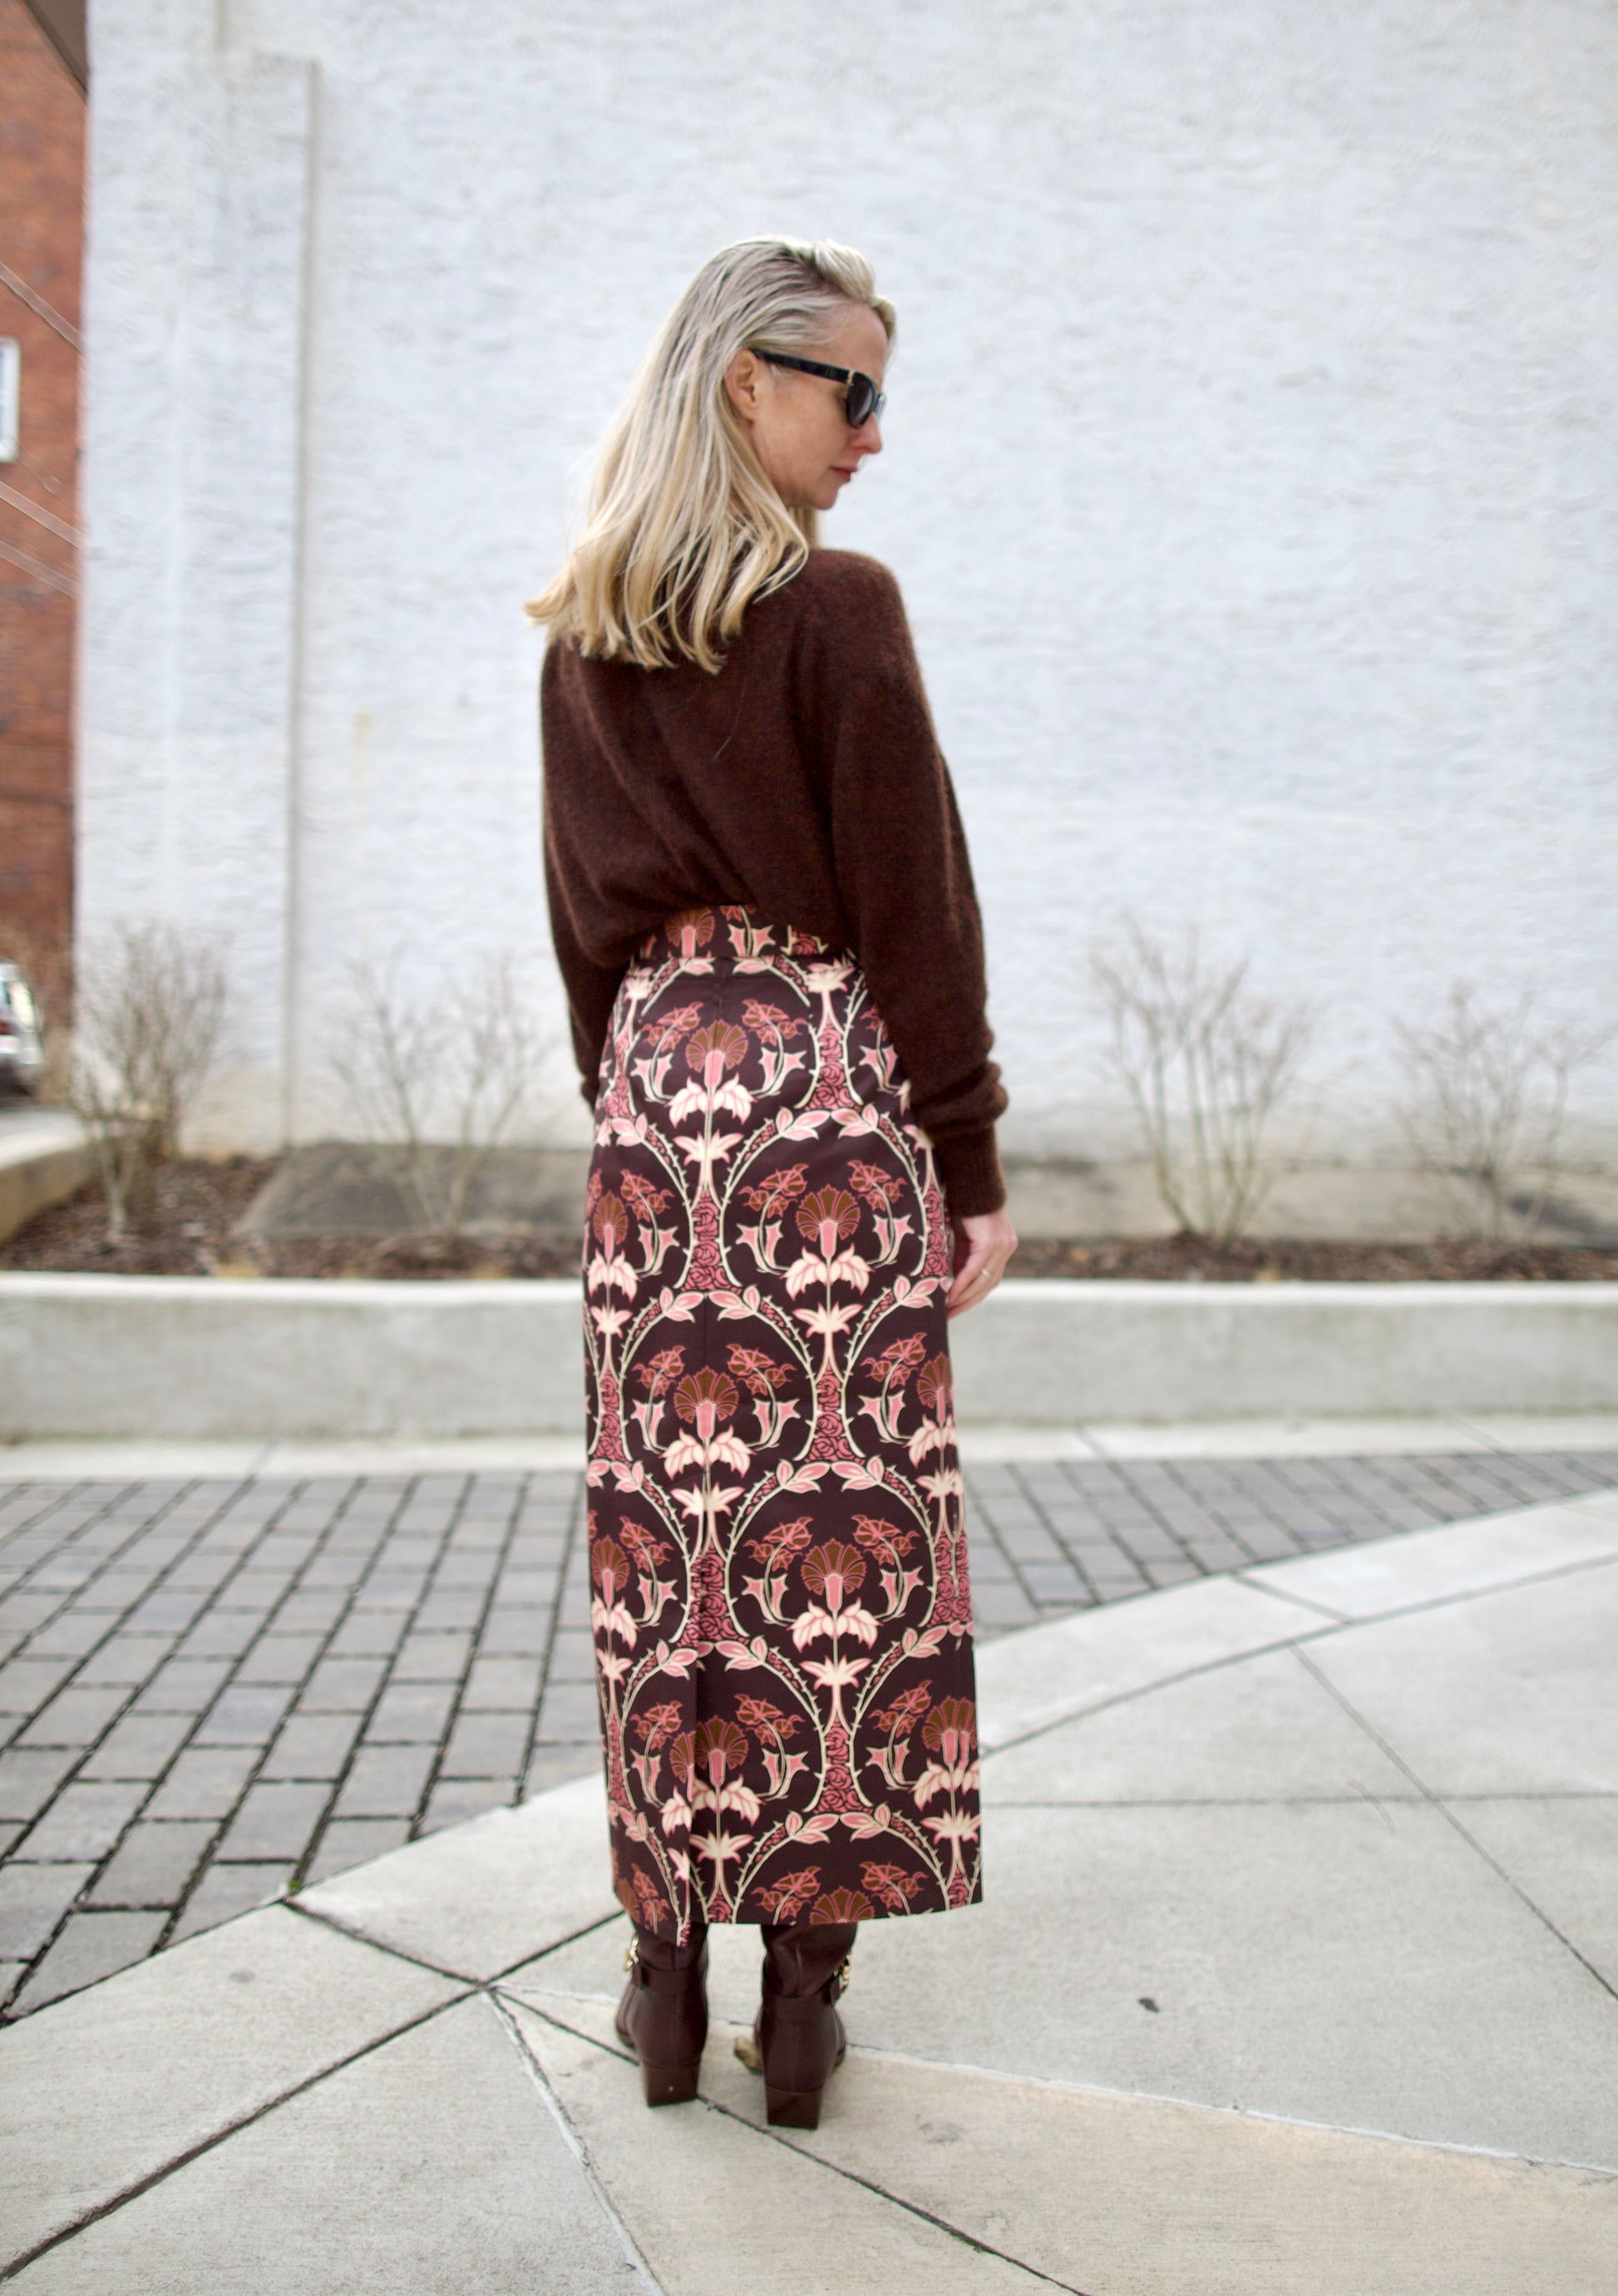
column 475, row 1053
column 1207, row 1065
column 1485, row 1102
column 150, row 1018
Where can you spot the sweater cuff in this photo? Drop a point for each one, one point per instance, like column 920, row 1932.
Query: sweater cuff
column 969, row 1172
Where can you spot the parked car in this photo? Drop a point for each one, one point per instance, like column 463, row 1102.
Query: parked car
column 21, row 1051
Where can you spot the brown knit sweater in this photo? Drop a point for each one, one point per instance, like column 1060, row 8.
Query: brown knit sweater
column 805, row 779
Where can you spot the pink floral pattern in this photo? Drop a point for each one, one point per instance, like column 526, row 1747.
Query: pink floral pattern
column 782, row 1609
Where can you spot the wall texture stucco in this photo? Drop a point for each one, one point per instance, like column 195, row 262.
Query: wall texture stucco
column 1250, row 474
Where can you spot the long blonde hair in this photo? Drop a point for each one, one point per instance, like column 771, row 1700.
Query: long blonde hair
column 683, row 528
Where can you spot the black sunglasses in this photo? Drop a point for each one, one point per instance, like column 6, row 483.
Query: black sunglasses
column 861, row 398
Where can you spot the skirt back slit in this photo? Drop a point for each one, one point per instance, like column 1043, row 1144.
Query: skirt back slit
column 780, row 1606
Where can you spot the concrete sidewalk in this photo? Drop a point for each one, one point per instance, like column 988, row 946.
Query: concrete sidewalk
column 1298, row 1971
column 216, row 1691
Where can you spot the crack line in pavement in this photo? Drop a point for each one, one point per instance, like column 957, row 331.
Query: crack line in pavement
column 1286, row 1595
column 1206, row 1801
column 1438, row 1803
column 1476, row 1594
column 419, row 1961
column 575, row 2143
column 1604, row 2170
column 1143, row 1690
column 849, row 2175
column 1298, row 1641
column 1280, row 1802
column 122, row 2198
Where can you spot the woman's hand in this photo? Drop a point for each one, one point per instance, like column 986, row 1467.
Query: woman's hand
column 984, row 1243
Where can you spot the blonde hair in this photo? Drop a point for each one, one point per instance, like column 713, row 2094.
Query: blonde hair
column 682, row 529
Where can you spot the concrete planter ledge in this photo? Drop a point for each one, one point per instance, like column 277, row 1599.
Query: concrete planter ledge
column 44, row 1157
column 168, row 1358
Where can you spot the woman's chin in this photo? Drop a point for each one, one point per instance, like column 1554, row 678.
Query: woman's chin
column 824, row 495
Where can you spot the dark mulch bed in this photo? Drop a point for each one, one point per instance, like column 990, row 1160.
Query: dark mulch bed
column 187, row 1230
column 1187, row 1259
column 184, row 1231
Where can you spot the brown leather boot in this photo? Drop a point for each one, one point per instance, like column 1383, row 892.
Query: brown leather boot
column 663, row 2016
column 799, row 2035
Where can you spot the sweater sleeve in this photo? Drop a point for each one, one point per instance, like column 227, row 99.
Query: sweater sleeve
column 903, row 871
column 591, row 987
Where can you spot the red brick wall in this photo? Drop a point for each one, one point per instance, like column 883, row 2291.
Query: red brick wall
column 41, row 154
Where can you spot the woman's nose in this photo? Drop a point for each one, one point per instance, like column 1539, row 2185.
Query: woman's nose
column 868, row 439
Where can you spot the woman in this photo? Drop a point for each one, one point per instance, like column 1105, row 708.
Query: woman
column 764, row 918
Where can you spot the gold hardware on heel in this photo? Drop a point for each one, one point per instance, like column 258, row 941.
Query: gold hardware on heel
column 669, row 2084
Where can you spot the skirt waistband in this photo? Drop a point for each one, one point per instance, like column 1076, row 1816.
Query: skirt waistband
column 722, row 933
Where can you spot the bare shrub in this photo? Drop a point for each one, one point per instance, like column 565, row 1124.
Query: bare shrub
column 1206, row 1065
column 150, row 1016
column 1485, row 1100
column 410, row 1066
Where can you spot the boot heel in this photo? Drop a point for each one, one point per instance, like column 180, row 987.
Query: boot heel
column 789, row 2108
column 670, row 2084
column 664, row 2014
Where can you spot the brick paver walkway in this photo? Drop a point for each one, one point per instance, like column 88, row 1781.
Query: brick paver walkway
column 213, row 1693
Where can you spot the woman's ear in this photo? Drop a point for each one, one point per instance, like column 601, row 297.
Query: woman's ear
column 744, row 383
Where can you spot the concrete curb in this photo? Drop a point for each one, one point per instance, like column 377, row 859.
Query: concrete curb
column 196, row 1359
column 1048, row 1351
column 43, row 1160
column 195, row 1356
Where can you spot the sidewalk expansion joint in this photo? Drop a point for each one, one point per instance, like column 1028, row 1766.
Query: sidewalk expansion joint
column 1286, row 1595
column 436, row 1968
column 1212, row 1801
column 1603, row 2172
column 1533, row 1577
column 849, row 2175
column 1331, row 1625
column 1438, row 1803
column 1148, row 1689
column 574, row 2142
column 216, row 2137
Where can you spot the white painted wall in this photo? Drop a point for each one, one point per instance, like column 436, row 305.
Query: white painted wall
column 1251, row 473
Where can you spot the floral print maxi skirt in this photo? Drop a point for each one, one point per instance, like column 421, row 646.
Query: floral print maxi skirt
column 781, row 1613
